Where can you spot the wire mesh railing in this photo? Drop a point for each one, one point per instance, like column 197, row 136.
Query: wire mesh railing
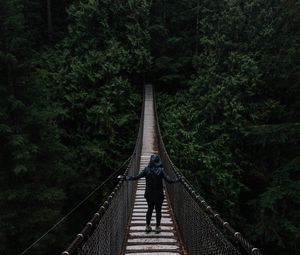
column 202, row 230
column 103, row 234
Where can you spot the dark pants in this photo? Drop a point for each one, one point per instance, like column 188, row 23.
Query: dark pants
column 150, row 210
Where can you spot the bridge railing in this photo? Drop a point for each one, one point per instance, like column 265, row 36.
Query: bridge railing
column 104, row 233
column 202, row 229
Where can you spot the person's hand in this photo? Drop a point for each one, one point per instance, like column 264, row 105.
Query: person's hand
column 121, row 177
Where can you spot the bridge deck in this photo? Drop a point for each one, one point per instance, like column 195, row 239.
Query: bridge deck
column 138, row 241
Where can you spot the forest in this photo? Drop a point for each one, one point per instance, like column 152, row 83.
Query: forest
column 227, row 78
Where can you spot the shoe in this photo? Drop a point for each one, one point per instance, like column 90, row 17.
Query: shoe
column 148, row 228
column 157, row 229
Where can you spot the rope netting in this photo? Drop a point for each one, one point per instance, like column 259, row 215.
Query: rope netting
column 202, row 229
column 108, row 236
column 104, row 233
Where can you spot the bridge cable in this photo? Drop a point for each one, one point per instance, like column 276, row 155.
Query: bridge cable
column 79, row 204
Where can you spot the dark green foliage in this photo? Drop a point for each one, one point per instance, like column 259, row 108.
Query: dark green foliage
column 31, row 152
column 69, row 111
column 235, row 125
column 69, row 107
column 277, row 209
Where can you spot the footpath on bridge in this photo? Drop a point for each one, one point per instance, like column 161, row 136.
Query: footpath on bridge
column 137, row 240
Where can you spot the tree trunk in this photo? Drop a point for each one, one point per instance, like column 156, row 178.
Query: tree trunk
column 197, row 30
column 49, row 20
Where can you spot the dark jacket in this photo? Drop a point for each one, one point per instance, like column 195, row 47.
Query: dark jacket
column 154, row 185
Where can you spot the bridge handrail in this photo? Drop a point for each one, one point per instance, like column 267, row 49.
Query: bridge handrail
column 92, row 224
column 237, row 236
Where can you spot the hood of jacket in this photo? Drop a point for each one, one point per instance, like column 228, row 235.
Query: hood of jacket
column 155, row 161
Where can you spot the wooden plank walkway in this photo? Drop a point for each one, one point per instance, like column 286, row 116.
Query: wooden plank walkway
column 138, row 241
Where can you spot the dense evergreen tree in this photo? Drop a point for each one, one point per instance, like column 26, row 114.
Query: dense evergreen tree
column 69, row 110
column 241, row 137
column 69, row 103
column 31, row 152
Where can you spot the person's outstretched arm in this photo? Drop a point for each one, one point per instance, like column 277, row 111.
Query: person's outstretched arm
column 168, row 179
column 133, row 178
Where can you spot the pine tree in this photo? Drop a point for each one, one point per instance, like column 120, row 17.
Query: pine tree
column 32, row 168
column 239, row 138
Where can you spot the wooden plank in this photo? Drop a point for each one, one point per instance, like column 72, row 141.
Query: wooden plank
column 152, row 253
column 156, row 247
column 151, row 240
column 142, row 228
column 151, row 234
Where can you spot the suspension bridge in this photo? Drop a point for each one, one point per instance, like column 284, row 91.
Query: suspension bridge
column 189, row 225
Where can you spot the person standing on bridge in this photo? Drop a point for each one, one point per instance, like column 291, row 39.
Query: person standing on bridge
column 154, row 173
